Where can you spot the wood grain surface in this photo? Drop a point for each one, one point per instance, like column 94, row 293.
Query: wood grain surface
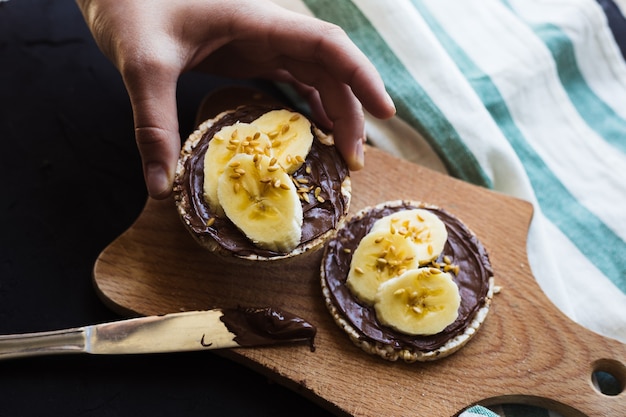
column 526, row 352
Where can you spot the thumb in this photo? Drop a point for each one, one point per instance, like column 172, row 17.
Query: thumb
column 153, row 100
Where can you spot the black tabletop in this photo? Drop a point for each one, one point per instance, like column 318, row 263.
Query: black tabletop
column 72, row 184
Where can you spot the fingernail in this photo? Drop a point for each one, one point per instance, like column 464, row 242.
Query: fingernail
column 391, row 103
column 359, row 156
column 157, row 180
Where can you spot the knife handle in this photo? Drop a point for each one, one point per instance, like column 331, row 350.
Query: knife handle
column 42, row 343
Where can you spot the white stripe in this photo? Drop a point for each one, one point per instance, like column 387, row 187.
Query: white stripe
column 409, row 37
column 523, row 70
column 573, row 283
column 393, row 136
column 397, row 138
column 599, row 305
column 294, row 5
column 543, row 257
column 545, row 252
column 587, row 166
column 598, row 56
column 563, row 273
column 400, row 26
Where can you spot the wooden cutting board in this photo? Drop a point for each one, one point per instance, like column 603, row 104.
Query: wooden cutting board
column 526, row 352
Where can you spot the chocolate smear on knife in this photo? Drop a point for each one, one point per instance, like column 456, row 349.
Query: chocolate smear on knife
column 259, row 326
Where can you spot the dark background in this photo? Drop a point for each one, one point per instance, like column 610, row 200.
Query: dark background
column 73, row 183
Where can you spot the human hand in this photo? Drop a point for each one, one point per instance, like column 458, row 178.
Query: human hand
column 152, row 42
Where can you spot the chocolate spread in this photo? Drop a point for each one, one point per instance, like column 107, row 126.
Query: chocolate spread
column 327, row 170
column 462, row 247
column 262, row 326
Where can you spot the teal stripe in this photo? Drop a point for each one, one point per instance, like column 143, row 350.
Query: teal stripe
column 413, row 104
column 478, row 410
column 582, row 227
column 600, row 117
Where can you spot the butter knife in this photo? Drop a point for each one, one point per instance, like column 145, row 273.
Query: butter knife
column 176, row 332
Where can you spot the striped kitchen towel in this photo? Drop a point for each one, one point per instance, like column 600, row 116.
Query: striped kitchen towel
column 525, row 97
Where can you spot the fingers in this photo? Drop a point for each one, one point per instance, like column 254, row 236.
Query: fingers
column 329, row 47
column 326, row 68
column 333, row 106
column 349, row 134
column 136, row 37
column 153, row 99
column 340, row 106
column 263, row 41
column 152, row 45
column 308, row 93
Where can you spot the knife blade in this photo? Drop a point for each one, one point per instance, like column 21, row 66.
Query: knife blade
column 175, row 332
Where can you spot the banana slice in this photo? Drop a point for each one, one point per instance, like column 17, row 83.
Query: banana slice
column 379, row 257
column 290, row 134
column 422, row 227
column 229, row 141
column 421, row 301
column 261, row 200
